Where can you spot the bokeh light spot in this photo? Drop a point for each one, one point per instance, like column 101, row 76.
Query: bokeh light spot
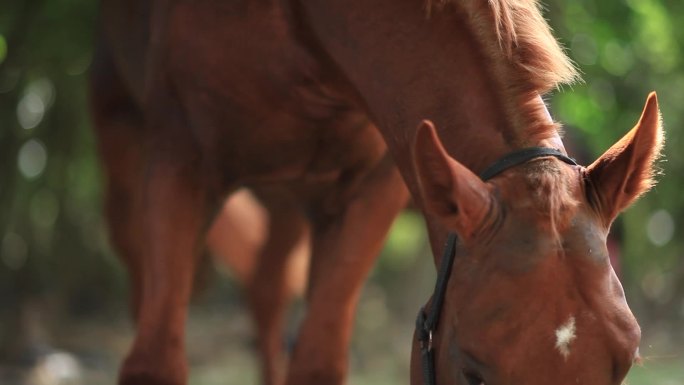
column 603, row 93
column 584, row 50
column 38, row 97
column 79, row 65
column 617, row 59
column 32, row 159
column 404, row 241
column 653, row 284
column 57, row 368
column 30, row 111
column 660, row 228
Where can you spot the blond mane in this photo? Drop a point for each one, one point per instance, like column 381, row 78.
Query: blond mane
column 526, row 59
column 526, row 39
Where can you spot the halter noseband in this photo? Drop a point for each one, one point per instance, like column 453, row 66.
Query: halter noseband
column 426, row 323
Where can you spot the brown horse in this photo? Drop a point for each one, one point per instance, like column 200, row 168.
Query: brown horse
column 322, row 99
column 268, row 259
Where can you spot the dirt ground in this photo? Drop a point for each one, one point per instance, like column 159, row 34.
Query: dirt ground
column 221, row 350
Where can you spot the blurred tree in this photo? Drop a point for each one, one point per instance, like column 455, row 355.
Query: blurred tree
column 52, row 246
column 625, row 50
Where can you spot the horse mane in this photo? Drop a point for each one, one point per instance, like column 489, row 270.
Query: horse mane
column 526, row 59
column 525, row 37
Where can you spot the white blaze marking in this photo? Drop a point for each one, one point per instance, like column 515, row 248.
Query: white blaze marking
column 565, row 334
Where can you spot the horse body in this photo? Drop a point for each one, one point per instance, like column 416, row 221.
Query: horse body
column 257, row 113
column 274, row 119
column 316, row 106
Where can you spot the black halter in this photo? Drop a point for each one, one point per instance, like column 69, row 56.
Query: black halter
column 426, row 323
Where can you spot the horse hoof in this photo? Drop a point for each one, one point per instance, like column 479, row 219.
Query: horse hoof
column 147, row 379
column 144, row 372
column 317, row 376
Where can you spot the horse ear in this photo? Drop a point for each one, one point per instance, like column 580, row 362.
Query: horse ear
column 626, row 170
column 448, row 189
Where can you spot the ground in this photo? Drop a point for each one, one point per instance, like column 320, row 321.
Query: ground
column 221, row 350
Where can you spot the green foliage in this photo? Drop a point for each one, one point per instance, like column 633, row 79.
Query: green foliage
column 405, row 242
column 625, row 50
column 3, row 49
column 51, row 227
column 656, row 373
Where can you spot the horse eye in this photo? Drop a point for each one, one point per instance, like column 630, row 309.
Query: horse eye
column 473, row 378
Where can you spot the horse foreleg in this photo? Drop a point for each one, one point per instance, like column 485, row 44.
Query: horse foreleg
column 345, row 247
column 278, row 277
column 122, row 161
column 118, row 126
column 265, row 243
column 174, row 212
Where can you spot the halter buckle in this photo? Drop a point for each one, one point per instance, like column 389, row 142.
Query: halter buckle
column 424, row 331
column 429, row 342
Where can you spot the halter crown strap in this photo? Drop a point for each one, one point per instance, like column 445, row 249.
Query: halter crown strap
column 426, row 323
column 521, row 156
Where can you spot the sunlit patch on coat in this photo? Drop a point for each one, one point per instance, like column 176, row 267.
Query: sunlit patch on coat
column 565, row 334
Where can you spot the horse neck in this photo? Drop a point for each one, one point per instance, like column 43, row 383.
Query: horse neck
column 405, row 67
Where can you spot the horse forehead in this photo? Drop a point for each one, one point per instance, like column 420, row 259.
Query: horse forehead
column 524, row 241
column 530, row 235
column 542, row 195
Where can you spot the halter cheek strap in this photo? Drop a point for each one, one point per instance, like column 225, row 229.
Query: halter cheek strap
column 426, row 323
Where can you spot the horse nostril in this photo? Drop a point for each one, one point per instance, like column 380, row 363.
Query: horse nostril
column 473, row 378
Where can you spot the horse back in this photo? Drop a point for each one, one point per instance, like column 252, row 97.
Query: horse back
column 256, row 97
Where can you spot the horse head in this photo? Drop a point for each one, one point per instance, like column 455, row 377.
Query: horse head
column 532, row 298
